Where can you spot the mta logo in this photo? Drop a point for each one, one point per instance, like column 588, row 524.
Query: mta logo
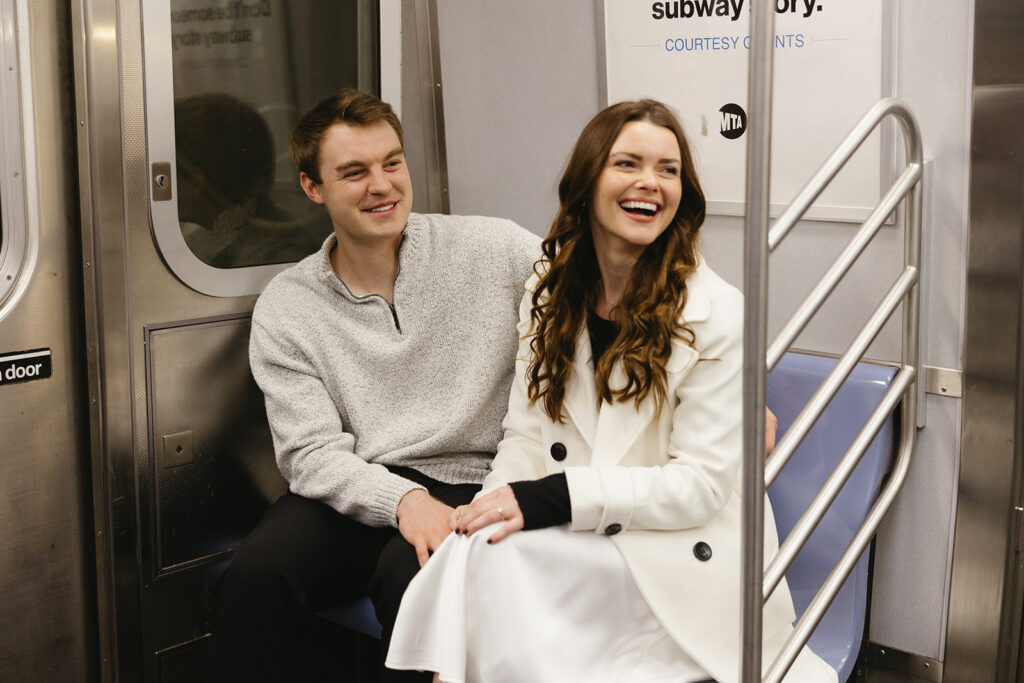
column 734, row 121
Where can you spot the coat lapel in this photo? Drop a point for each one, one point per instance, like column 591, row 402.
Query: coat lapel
column 620, row 424
column 581, row 391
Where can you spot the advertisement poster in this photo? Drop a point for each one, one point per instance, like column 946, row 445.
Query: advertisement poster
column 830, row 68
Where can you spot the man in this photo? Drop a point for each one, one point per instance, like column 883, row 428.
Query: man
column 386, row 360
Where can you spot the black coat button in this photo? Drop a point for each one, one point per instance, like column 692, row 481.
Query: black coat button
column 612, row 529
column 558, row 451
column 702, row 551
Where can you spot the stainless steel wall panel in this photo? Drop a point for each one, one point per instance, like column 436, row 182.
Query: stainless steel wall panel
column 199, row 381
column 985, row 593
column 48, row 611
column 98, row 113
column 422, row 114
column 175, row 609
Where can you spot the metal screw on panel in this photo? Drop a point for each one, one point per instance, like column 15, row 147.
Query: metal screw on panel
column 160, row 180
column 16, row 174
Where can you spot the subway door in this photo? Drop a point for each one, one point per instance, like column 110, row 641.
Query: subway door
column 47, row 610
column 190, row 205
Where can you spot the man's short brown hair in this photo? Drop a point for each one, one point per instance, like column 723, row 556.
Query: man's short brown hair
column 345, row 106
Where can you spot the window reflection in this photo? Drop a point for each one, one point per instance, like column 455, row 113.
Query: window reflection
column 243, row 71
column 225, row 160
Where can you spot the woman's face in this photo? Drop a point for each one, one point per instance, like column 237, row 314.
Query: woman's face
column 637, row 193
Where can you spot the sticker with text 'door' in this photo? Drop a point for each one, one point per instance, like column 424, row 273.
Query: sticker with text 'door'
column 25, row 366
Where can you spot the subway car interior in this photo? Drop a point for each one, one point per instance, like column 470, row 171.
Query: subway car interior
column 148, row 196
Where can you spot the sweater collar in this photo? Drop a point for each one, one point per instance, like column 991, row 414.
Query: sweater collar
column 407, row 255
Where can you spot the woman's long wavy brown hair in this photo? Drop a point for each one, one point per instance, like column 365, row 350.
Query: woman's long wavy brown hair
column 569, row 277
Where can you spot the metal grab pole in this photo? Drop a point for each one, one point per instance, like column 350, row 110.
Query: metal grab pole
column 759, row 119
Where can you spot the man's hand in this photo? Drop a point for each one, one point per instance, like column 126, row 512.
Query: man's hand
column 771, row 425
column 423, row 522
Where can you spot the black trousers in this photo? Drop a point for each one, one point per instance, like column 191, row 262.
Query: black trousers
column 304, row 557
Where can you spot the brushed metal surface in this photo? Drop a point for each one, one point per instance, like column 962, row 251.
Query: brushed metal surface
column 984, row 604
column 200, row 389
column 921, row 668
column 422, row 107
column 943, row 381
column 178, row 449
column 95, row 31
column 162, row 181
column 47, row 610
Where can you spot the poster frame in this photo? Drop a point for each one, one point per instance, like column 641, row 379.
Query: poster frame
column 888, row 157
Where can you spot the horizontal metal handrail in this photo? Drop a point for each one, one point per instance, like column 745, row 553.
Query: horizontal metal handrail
column 846, row 259
column 850, row 144
column 828, row 591
column 826, row 392
column 815, row 512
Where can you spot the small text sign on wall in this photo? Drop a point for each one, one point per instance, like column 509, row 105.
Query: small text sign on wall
column 830, row 65
column 25, row 366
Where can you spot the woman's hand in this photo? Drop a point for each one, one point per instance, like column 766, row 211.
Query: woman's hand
column 499, row 504
column 771, row 425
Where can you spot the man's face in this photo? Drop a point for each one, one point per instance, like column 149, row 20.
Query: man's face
column 366, row 187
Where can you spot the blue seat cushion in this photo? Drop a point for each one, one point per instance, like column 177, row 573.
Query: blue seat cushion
column 791, row 384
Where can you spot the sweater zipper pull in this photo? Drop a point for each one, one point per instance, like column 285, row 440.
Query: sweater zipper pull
column 394, row 316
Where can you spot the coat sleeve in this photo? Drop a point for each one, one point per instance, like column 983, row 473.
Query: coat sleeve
column 520, row 454
column 314, row 451
column 704, row 445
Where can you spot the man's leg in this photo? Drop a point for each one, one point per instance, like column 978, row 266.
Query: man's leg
column 397, row 566
column 301, row 558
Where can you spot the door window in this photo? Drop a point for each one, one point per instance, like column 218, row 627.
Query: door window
column 242, row 74
column 19, row 234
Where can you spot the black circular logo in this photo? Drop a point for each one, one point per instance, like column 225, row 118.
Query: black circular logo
column 734, row 121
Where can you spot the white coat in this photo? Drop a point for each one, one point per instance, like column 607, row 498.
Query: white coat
column 663, row 485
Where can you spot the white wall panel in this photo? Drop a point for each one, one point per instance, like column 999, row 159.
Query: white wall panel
column 521, row 80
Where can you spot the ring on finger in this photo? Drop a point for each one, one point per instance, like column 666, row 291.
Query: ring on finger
column 501, row 513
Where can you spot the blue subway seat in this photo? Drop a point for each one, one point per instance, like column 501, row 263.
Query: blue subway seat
column 791, row 384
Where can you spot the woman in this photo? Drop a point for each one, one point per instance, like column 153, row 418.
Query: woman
column 625, row 422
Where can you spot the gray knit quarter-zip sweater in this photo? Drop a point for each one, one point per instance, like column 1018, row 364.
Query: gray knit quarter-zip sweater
column 352, row 385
